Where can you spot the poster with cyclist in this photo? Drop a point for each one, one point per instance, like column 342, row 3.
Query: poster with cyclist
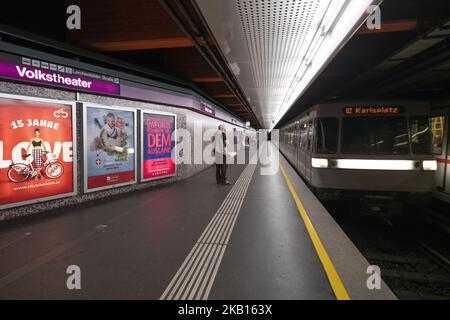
column 109, row 146
column 36, row 150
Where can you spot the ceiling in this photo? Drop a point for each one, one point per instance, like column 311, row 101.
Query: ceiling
column 407, row 58
column 257, row 68
column 150, row 34
column 277, row 48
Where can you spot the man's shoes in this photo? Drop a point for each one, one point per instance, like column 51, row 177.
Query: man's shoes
column 226, row 183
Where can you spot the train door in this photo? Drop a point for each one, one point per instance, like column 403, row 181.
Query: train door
column 441, row 148
column 308, row 151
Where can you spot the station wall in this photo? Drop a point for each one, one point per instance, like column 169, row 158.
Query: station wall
column 185, row 118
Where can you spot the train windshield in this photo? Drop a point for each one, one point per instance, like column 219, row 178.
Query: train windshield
column 326, row 135
column 377, row 135
column 421, row 135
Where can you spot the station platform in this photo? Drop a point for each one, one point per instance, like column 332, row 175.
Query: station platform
column 263, row 237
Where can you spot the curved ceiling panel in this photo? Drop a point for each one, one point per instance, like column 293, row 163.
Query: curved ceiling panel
column 277, row 48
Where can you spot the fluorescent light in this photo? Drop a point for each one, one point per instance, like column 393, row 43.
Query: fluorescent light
column 331, row 15
column 340, row 21
column 365, row 164
column 281, row 46
column 429, row 165
column 319, row 163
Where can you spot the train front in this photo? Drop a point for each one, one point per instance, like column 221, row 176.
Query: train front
column 381, row 154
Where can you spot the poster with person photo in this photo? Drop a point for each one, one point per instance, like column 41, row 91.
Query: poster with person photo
column 37, row 141
column 109, row 147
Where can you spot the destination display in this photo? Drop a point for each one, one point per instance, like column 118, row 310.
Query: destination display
column 370, row 110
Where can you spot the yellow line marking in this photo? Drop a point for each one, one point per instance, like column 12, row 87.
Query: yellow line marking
column 333, row 277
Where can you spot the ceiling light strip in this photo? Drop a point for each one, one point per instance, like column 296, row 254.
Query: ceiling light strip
column 343, row 26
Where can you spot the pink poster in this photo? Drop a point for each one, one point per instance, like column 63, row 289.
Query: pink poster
column 158, row 142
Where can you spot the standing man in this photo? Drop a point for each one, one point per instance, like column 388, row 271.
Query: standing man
column 220, row 150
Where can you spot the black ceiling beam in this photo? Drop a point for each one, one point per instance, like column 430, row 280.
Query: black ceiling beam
column 197, row 34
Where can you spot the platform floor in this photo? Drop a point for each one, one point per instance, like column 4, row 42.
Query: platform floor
column 190, row 240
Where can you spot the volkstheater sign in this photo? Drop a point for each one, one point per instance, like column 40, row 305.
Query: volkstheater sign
column 54, row 75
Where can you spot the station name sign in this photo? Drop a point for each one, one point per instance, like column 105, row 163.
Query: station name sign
column 373, row 110
column 50, row 74
column 207, row 109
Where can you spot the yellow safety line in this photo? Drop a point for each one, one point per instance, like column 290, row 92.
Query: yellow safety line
column 333, row 277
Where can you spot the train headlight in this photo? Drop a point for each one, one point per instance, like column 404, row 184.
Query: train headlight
column 429, row 165
column 319, row 163
column 372, row 164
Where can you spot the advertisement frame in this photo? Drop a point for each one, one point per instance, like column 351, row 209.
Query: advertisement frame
column 141, row 154
column 85, row 175
column 74, row 150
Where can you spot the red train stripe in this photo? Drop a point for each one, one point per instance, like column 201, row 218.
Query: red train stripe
column 440, row 160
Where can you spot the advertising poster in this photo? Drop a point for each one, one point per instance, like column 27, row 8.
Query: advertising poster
column 36, row 150
column 109, row 143
column 158, row 142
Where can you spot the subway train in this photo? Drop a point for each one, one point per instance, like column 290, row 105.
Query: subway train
column 380, row 153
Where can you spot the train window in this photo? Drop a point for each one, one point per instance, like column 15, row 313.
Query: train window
column 310, row 133
column 302, row 137
column 421, row 135
column 437, row 131
column 383, row 135
column 326, row 135
column 291, row 135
